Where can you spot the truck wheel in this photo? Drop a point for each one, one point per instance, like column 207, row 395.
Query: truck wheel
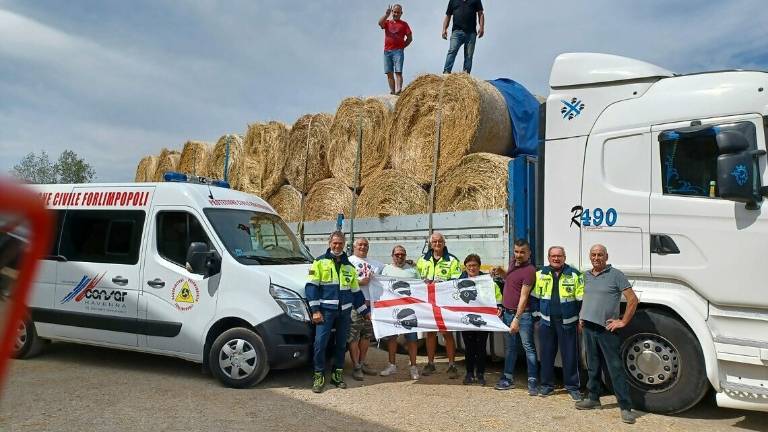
column 664, row 363
column 238, row 358
column 27, row 343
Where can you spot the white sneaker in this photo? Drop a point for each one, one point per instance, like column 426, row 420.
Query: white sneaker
column 414, row 373
column 389, row 370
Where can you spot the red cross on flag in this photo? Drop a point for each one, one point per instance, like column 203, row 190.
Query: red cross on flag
column 411, row 305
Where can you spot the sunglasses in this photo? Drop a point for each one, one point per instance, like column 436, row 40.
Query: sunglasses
column 399, row 255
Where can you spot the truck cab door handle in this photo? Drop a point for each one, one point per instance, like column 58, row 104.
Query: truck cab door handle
column 156, row 283
column 663, row 244
column 119, row 280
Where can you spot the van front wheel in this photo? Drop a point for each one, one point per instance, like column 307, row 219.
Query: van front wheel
column 238, row 358
column 26, row 342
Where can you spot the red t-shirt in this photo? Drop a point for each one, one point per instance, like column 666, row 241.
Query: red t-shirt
column 394, row 34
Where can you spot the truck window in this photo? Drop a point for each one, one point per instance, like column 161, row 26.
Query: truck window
column 689, row 158
column 175, row 231
column 102, row 236
column 59, row 216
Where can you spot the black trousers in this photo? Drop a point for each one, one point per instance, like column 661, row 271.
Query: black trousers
column 474, row 351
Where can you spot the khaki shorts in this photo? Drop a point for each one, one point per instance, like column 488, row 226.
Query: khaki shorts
column 360, row 328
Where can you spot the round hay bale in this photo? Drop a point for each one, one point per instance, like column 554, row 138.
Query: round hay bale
column 267, row 144
column 374, row 115
column 326, row 199
column 391, row 193
column 287, row 203
column 479, row 182
column 168, row 160
column 194, row 158
column 145, row 171
column 307, row 146
column 218, row 154
column 474, row 119
column 246, row 176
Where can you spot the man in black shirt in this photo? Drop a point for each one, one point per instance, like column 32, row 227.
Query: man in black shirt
column 466, row 14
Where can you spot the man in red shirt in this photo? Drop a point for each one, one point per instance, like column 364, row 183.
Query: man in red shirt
column 397, row 36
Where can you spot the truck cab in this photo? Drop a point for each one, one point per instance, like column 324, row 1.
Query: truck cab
column 183, row 268
column 667, row 171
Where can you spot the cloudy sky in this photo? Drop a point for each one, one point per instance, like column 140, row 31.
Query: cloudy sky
column 116, row 80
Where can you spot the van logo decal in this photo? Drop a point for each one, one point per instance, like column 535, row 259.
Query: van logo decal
column 184, row 294
column 83, row 287
column 740, row 174
column 571, row 109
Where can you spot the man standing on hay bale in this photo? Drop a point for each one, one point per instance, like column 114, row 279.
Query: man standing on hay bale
column 466, row 14
column 361, row 330
column 397, row 36
column 438, row 265
column 332, row 291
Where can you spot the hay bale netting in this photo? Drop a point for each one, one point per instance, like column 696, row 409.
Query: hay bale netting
column 326, row 199
column 287, row 203
column 478, row 182
column 391, row 193
column 474, row 119
column 145, row 171
column 168, row 160
column 218, row 154
column 194, row 158
column 305, row 168
column 374, row 115
column 267, row 145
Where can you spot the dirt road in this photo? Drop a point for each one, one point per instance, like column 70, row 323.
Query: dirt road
column 78, row 388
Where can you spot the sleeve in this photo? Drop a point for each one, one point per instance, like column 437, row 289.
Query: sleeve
column 455, row 269
column 579, row 290
column 449, row 9
column 358, row 302
column 479, row 7
column 420, row 267
column 312, row 287
column 408, row 29
column 533, row 299
column 530, row 278
column 622, row 281
column 498, row 293
column 536, row 287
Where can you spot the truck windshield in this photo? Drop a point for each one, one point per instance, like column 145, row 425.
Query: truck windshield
column 257, row 238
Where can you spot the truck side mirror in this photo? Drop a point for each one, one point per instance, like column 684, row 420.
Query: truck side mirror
column 197, row 258
column 736, row 175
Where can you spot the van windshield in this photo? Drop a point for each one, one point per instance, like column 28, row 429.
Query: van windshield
column 257, row 238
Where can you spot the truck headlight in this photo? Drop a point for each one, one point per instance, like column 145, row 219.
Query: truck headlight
column 293, row 305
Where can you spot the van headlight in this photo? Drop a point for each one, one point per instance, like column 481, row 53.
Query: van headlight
column 293, row 305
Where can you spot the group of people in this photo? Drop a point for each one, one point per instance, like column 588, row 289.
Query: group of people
column 468, row 25
column 564, row 301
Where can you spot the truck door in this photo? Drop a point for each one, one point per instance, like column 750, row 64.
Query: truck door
column 713, row 245
column 179, row 304
column 615, row 199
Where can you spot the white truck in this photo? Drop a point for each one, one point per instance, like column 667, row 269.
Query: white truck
column 665, row 170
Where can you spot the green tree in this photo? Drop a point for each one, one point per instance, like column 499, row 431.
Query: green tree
column 69, row 168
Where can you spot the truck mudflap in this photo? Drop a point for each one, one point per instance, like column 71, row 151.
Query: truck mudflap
column 288, row 342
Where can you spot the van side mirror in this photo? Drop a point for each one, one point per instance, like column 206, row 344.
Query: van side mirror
column 736, row 177
column 201, row 260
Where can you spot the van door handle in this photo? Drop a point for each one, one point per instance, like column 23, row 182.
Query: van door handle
column 663, row 244
column 119, row 280
column 156, row 283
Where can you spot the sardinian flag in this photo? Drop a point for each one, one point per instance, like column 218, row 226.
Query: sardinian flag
column 411, row 305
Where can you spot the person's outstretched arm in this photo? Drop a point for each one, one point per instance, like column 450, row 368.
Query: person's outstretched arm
column 384, row 18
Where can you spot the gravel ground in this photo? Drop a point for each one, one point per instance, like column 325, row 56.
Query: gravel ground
column 79, row 388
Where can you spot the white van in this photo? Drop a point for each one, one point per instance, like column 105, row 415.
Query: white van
column 195, row 271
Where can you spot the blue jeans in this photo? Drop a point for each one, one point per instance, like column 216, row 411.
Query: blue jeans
column 526, row 337
column 341, row 321
column 553, row 335
column 459, row 38
column 393, row 61
column 596, row 339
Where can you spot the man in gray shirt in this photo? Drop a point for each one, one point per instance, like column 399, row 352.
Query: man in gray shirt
column 599, row 320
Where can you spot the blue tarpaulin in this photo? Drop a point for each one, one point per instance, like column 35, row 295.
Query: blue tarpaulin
column 523, row 113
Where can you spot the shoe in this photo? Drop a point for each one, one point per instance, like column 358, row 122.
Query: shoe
column 504, row 384
column 627, row 416
column 318, row 382
column 357, row 373
column 414, row 373
column 469, row 379
column 389, row 370
column 429, row 369
column 337, row 378
column 368, row 370
column 481, row 380
column 453, row 373
column 546, row 392
column 588, row 404
column 575, row 395
column 533, row 388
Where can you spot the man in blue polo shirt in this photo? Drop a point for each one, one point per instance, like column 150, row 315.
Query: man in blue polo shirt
column 599, row 320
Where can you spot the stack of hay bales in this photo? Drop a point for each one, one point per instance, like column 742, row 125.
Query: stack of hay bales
column 326, row 199
column 287, row 203
column 391, row 193
column 194, row 158
column 234, row 165
column 478, row 182
column 168, row 160
column 308, row 148
column 145, row 171
column 372, row 115
column 266, row 145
